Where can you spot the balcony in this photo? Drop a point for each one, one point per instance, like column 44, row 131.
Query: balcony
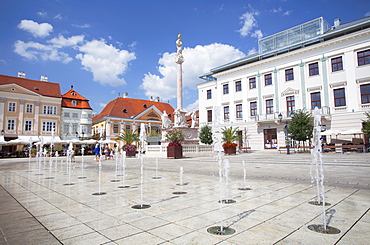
column 287, row 115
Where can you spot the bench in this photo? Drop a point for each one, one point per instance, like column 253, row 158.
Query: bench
column 294, row 150
column 246, row 149
column 356, row 148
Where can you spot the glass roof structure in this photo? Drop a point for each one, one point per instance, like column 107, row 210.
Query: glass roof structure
column 296, row 35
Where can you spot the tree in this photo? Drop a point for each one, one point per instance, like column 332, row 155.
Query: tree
column 129, row 136
column 301, row 127
column 205, row 135
column 366, row 124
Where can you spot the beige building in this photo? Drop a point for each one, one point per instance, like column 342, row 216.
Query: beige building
column 126, row 113
column 29, row 108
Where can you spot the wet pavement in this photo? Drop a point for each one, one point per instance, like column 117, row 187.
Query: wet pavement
column 38, row 209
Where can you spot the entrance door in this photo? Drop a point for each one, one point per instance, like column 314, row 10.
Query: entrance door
column 270, row 138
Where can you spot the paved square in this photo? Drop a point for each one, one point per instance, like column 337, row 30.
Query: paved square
column 36, row 209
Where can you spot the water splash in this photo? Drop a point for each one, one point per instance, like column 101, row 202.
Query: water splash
column 317, row 162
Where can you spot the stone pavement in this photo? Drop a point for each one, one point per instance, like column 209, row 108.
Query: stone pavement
column 37, row 210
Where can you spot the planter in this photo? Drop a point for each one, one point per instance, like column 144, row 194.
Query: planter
column 130, row 153
column 230, row 150
column 174, row 151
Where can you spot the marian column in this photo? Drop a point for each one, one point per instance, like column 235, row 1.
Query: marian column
column 179, row 112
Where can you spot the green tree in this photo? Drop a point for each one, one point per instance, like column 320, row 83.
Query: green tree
column 366, row 124
column 129, row 136
column 174, row 136
column 205, row 135
column 229, row 134
column 301, row 127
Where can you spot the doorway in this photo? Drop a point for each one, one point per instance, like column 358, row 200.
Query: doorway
column 270, row 138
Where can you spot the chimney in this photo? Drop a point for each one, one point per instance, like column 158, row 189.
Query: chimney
column 125, row 95
column 21, row 74
column 44, row 78
column 157, row 99
column 336, row 22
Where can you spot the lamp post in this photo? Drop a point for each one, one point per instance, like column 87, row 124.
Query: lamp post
column 287, row 142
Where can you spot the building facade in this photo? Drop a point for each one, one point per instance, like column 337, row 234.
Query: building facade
column 76, row 116
column 126, row 113
column 307, row 66
column 29, row 108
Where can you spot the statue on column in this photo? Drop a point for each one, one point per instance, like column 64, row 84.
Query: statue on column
column 179, row 58
column 165, row 120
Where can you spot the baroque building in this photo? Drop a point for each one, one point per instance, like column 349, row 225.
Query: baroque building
column 76, row 116
column 126, row 113
column 307, row 66
column 29, row 108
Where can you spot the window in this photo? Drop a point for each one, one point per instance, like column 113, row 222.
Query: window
column 74, row 102
column 74, row 128
column 226, row 113
column 28, row 125
column 289, row 75
column 115, row 128
column 269, row 106
column 51, row 110
column 268, row 79
column 48, row 126
column 11, row 124
column 11, row 106
column 66, row 128
column 66, row 114
column 128, row 126
column 29, row 108
column 336, row 64
column 365, row 93
column 252, row 82
column 74, row 115
column 238, row 86
column 226, row 88
column 209, row 115
column 363, row 57
column 313, row 69
column 253, row 106
column 339, row 97
column 209, row 94
column 239, row 111
column 290, row 104
column 315, row 100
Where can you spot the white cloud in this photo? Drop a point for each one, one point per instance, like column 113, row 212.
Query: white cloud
column 61, row 41
column 36, row 29
column 288, row 12
column 193, row 107
column 248, row 22
column 198, row 61
column 42, row 14
column 106, row 62
column 252, row 51
column 257, row 34
column 58, row 17
column 34, row 51
column 276, row 10
column 81, row 26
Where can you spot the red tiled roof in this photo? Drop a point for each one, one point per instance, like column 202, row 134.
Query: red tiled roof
column 82, row 102
column 127, row 108
column 43, row 88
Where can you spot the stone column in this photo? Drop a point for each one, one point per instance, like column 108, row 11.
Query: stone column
column 21, row 114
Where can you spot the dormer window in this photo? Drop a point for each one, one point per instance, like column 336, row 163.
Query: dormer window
column 145, row 106
column 74, row 103
column 36, row 88
column 124, row 110
column 73, row 93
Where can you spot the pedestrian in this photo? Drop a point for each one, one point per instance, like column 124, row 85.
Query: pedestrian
column 97, row 151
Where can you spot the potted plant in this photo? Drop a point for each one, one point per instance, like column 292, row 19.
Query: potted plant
column 174, row 148
column 129, row 136
column 33, row 152
column 229, row 136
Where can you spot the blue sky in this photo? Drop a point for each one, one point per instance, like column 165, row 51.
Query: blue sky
column 106, row 47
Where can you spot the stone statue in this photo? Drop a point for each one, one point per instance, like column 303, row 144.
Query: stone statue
column 194, row 121
column 165, row 120
column 179, row 58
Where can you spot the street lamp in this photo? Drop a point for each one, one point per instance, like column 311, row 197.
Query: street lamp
column 287, row 143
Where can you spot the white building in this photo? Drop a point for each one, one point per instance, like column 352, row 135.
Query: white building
column 76, row 116
column 313, row 64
